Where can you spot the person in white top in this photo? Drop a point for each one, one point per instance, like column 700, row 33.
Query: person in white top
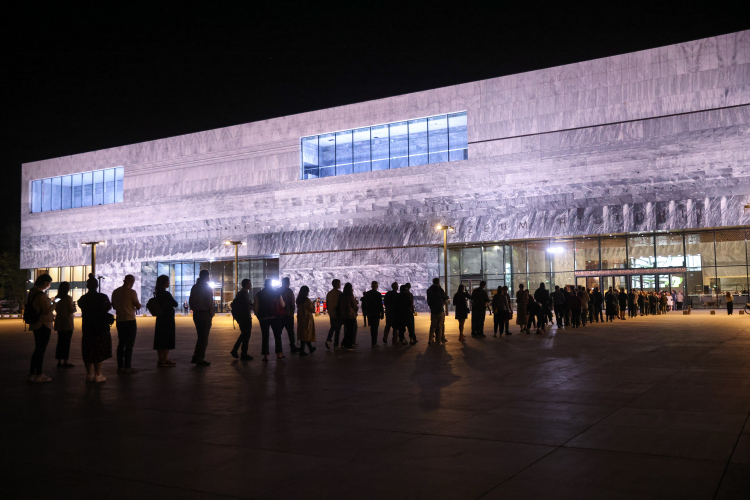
column 125, row 303
column 42, row 311
column 679, row 301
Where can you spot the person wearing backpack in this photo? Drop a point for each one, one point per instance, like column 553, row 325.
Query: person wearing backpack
column 241, row 308
column 38, row 314
column 269, row 309
column 162, row 306
column 65, row 309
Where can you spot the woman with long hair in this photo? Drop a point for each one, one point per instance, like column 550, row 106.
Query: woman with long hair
column 65, row 309
column 305, row 321
column 96, row 341
column 461, row 302
column 347, row 311
column 164, row 331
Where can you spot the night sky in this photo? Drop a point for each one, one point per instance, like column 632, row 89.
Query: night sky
column 76, row 81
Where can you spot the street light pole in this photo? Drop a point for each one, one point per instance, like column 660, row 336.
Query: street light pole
column 236, row 261
column 445, row 256
column 93, row 254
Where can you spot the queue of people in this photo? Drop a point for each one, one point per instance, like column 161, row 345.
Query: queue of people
column 274, row 309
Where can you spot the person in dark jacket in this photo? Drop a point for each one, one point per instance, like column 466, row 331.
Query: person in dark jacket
column 461, row 303
column 642, row 303
column 575, row 309
column 532, row 309
column 406, row 314
column 268, row 307
column 390, row 304
column 347, row 311
column 558, row 301
column 96, row 341
column 610, row 304
column 542, row 297
column 622, row 299
column 598, row 303
column 479, row 302
column 242, row 307
column 202, row 303
column 372, row 308
column 164, row 331
column 436, row 300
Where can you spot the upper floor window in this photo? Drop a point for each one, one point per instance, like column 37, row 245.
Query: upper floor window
column 99, row 187
column 435, row 139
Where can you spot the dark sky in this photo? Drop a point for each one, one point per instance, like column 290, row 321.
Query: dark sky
column 81, row 80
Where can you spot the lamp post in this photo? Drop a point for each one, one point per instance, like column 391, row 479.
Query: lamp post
column 236, row 263
column 93, row 253
column 441, row 227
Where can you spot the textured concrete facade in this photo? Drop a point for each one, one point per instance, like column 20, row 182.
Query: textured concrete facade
column 653, row 140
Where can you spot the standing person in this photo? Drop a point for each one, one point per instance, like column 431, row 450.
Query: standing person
column 479, row 302
column 406, row 314
column 575, row 309
column 622, row 300
column 269, row 309
column 598, row 303
column 436, row 300
column 610, row 302
column 125, row 302
column 679, row 300
column 461, row 303
column 65, row 310
column 373, row 310
column 202, row 303
column 558, row 301
column 505, row 310
column 38, row 314
column 305, row 321
column 585, row 299
column 287, row 321
column 632, row 311
column 242, row 307
column 532, row 310
column 164, row 330
column 390, row 303
column 497, row 316
column 363, row 303
column 641, row 303
column 347, row 311
column 96, row 341
column 730, row 303
column 332, row 302
column 673, row 304
column 663, row 302
column 566, row 315
column 522, row 301
column 542, row 296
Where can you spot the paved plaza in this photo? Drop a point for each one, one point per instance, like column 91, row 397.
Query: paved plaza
column 655, row 407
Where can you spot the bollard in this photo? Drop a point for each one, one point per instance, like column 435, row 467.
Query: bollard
column 713, row 312
column 742, row 311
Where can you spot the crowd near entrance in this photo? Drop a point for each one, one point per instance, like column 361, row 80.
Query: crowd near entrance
column 702, row 266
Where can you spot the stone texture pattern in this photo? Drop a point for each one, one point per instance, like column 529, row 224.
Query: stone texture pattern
column 653, row 140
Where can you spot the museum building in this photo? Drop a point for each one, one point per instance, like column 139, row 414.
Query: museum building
column 631, row 170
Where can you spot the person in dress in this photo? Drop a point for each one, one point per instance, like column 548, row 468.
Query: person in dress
column 164, row 331
column 305, row 321
column 65, row 310
column 522, row 300
column 461, row 303
column 96, row 341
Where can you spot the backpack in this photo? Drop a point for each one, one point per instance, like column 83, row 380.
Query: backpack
column 240, row 308
column 31, row 315
column 153, row 306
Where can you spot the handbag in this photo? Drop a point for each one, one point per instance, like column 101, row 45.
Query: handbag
column 153, row 306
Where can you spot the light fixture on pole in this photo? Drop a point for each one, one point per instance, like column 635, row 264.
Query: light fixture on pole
column 236, row 264
column 444, row 229
column 93, row 245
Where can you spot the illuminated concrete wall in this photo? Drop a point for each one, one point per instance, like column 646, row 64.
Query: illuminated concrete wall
column 658, row 139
